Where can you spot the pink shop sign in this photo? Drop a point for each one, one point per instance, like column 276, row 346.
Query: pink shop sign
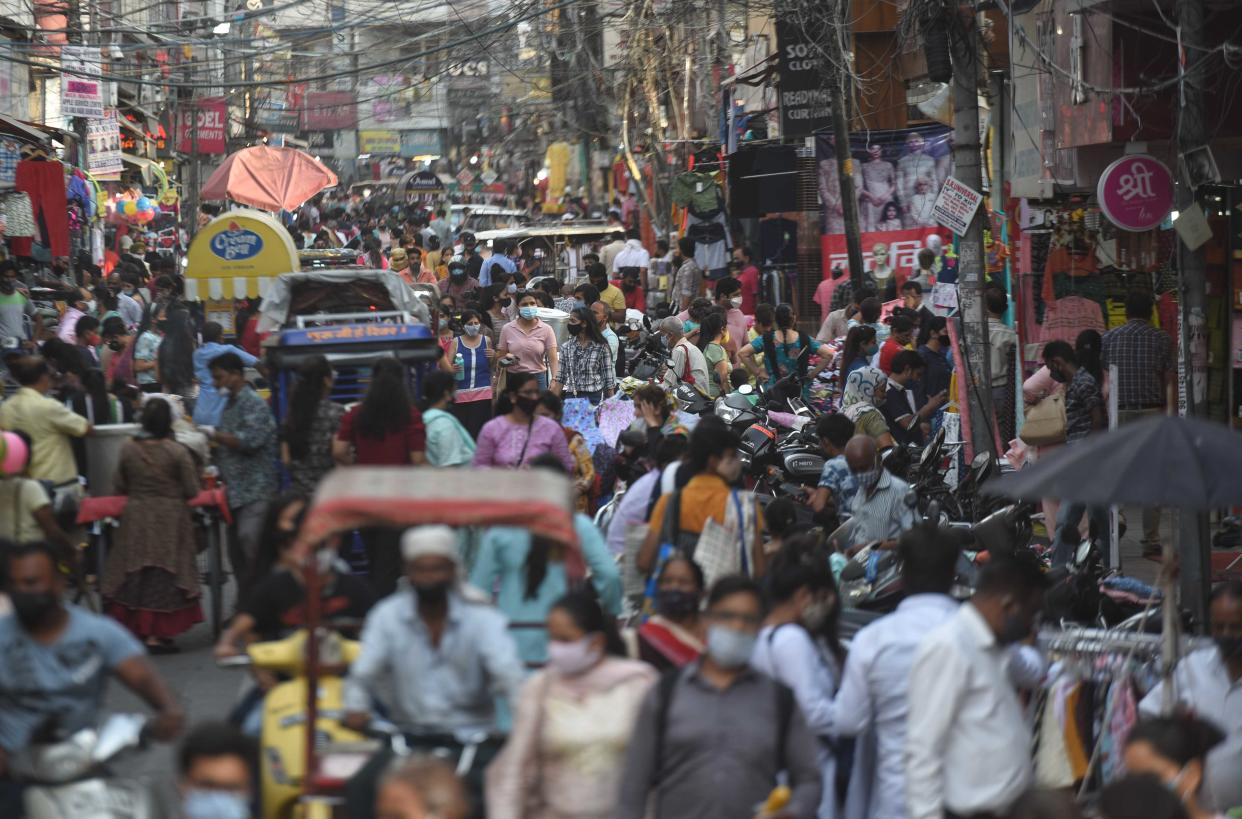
column 1136, row 192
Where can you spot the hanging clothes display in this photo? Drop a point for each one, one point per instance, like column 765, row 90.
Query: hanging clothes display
column 18, row 215
column 698, row 192
column 712, row 242
column 44, row 180
column 1065, row 318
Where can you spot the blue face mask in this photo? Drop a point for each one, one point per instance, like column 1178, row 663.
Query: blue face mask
column 729, row 648
column 579, row 303
column 204, row 804
column 688, row 326
column 528, row 313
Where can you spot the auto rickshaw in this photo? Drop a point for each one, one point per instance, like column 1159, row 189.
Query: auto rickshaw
column 301, row 725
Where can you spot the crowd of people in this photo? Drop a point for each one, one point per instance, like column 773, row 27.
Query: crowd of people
column 636, row 673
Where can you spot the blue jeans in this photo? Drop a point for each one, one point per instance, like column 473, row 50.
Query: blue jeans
column 1067, row 539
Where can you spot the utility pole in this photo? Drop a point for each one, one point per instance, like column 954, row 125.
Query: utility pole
column 1193, row 527
column 965, row 47
column 839, row 83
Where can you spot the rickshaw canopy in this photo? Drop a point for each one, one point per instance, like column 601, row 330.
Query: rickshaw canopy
column 538, row 500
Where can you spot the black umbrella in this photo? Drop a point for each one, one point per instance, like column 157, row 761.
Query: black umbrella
column 1160, row 461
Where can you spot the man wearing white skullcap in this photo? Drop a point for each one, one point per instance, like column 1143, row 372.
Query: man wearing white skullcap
column 448, row 656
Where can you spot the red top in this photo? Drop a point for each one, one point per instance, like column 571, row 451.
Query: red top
column 749, row 279
column 888, row 351
column 393, row 449
column 635, row 299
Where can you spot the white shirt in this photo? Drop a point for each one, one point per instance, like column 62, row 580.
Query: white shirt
column 874, row 692
column 634, row 255
column 614, row 343
column 1202, row 684
column 788, row 655
column 685, row 351
column 968, row 742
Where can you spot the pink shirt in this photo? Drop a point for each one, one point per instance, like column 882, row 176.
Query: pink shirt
column 504, row 443
column 531, row 348
column 823, row 293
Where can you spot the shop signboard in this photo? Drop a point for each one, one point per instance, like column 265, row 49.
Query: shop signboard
column 956, row 206
column 81, row 92
column 423, row 182
column 421, row 142
column 329, row 111
column 103, row 146
column 1135, row 192
column 209, row 121
column 274, row 113
column 805, row 99
column 898, row 176
column 379, row 143
column 234, row 252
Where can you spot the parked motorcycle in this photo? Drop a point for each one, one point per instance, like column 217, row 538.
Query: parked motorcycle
column 69, row 777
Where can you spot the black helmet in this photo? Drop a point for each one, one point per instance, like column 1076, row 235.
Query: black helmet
column 467, row 238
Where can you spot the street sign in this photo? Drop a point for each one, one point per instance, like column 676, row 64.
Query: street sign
column 805, row 99
column 1136, row 192
column 956, row 205
column 464, row 177
column 81, row 93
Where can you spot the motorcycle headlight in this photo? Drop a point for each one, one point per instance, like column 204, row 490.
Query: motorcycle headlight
column 726, row 413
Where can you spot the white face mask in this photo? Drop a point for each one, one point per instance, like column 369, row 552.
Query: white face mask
column 224, row 392
column 736, row 301
column 571, row 659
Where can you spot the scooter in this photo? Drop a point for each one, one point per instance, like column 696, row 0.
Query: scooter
column 69, row 777
column 282, row 743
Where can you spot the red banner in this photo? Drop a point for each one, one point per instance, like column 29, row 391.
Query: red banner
column 329, row 111
column 210, row 124
column 902, row 247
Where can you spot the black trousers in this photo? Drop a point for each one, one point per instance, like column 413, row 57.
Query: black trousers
column 384, row 564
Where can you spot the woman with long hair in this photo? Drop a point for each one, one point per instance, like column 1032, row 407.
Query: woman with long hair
column 306, row 440
column 176, row 355
column 472, row 403
column 786, row 351
column 529, row 573
column 859, row 348
column 146, row 346
column 799, row 645
column 566, row 753
column 518, row 434
column 386, row 429
column 448, row 442
column 586, row 366
column 675, row 635
column 551, row 406
column 711, row 342
column 653, row 416
column 150, row 582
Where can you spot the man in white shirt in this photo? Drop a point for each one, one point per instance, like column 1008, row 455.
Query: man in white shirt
column 608, row 253
column 876, row 682
column 689, row 365
column 968, row 742
column 1209, row 682
column 632, row 255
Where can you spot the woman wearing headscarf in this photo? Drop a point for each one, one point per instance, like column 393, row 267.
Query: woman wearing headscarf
column 864, row 392
column 150, row 582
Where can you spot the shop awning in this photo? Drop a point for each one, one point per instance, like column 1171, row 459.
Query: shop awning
column 21, row 129
column 141, row 164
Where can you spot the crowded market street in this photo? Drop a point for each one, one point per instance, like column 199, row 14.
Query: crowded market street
column 620, row 409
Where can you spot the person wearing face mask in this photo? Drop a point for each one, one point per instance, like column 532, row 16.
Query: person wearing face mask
column 968, row 741
column 69, row 654
column 209, row 405
column 713, row 461
column 676, row 635
column 1208, row 682
column 472, row 402
column 127, row 305
column 711, row 738
column 519, row 434
column 529, row 342
column 799, row 647
column 878, row 509
column 49, row 423
column 16, row 307
column 214, row 764
column 448, row 652
column 459, row 282
column 573, row 723
column 87, row 341
column 448, row 442
column 1174, row 750
column 587, row 369
column 934, row 347
column 711, row 341
column 146, row 351
column 729, row 300
column 1084, row 414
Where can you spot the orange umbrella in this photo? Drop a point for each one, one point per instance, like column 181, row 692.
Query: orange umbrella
column 269, row 178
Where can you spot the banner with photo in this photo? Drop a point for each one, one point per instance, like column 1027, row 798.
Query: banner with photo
column 897, row 177
column 103, row 146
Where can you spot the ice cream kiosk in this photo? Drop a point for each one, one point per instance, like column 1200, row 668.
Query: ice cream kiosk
column 234, row 256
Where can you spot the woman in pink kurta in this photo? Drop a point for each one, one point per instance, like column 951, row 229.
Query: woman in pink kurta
column 1038, row 387
column 517, row 435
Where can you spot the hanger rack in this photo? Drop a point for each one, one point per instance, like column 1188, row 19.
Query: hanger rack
column 1080, row 640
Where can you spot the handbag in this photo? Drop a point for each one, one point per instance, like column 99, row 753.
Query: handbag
column 1045, row 422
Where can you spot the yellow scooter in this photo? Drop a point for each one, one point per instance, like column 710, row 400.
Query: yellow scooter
column 339, row 752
